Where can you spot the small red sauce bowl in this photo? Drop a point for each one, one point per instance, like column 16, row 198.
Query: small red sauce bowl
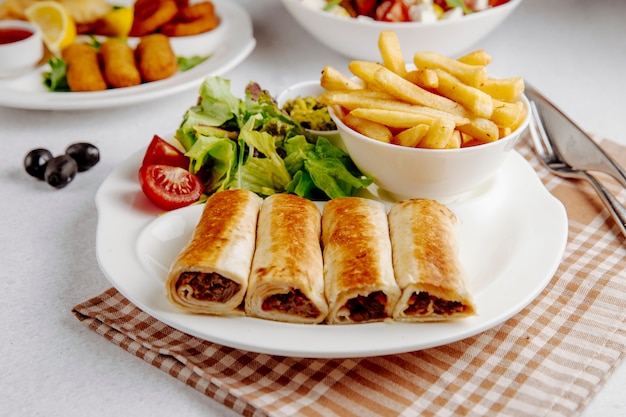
column 21, row 47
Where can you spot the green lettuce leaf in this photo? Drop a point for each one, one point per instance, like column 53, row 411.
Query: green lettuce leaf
column 216, row 155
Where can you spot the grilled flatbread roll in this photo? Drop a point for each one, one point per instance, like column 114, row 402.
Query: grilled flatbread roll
column 424, row 238
column 358, row 271
column 210, row 275
column 287, row 277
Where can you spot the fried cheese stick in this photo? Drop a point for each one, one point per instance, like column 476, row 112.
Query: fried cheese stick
column 118, row 62
column 155, row 57
column 83, row 68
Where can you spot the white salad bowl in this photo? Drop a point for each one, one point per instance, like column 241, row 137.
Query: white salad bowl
column 357, row 38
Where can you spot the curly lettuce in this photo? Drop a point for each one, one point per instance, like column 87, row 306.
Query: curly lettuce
column 252, row 144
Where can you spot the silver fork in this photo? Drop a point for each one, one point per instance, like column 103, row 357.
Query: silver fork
column 557, row 166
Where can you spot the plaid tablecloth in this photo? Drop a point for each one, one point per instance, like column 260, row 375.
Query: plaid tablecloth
column 548, row 360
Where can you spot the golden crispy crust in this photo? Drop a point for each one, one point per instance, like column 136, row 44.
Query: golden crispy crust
column 223, row 244
column 287, row 277
column 424, row 238
column 118, row 62
column 155, row 58
column 357, row 261
column 83, row 68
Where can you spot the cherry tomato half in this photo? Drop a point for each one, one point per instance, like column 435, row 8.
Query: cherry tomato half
column 366, row 7
column 392, row 11
column 169, row 187
column 161, row 152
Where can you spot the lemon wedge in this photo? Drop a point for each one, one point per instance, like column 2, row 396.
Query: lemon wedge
column 57, row 26
column 116, row 23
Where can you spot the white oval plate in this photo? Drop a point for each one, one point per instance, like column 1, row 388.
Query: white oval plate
column 228, row 45
column 513, row 237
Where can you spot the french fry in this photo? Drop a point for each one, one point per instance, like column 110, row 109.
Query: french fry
column 438, row 134
column 506, row 114
column 443, row 103
column 473, row 99
column 507, row 89
column 482, row 129
column 473, row 75
column 477, row 57
column 407, row 91
column 332, row 79
column 365, row 70
column 410, row 137
column 465, row 138
column 504, row 131
column 351, row 100
column 368, row 128
column 424, row 77
column 394, row 118
column 520, row 118
column 391, row 52
column 455, row 140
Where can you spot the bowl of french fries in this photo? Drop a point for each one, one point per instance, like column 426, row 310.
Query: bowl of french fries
column 355, row 37
column 435, row 128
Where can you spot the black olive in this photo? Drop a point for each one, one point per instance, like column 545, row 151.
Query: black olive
column 35, row 162
column 85, row 154
column 60, row 171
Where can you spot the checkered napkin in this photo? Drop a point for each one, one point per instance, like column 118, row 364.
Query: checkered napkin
column 550, row 359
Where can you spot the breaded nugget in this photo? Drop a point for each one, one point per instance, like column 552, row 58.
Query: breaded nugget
column 83, row 68
column 118, row 63
column 150, row 15
column 155, row 57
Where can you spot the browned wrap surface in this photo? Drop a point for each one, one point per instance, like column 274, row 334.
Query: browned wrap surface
column 287, row 278
column 358, row 272
column 221, row 250
column 424, row 238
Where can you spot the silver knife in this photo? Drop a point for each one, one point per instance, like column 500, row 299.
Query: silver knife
column 572, row 144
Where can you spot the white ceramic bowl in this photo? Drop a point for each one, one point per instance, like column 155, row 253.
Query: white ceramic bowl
column 358, row 38
column 308, row 89
column 23, row 55
column 441, row 174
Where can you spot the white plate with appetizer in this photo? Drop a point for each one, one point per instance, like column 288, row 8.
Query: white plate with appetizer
column 226, row 46
column 512, row 238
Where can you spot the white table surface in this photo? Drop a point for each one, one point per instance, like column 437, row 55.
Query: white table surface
column 573, row 50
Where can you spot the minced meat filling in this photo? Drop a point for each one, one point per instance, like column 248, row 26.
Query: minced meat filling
column 424, row 303
column 293, row 302
column 367, row 308
column 209, row 286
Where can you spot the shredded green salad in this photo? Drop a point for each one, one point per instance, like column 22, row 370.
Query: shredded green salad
column 252, row 144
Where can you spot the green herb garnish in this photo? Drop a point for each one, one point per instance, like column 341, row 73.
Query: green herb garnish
column 56, row 79
column 187, row 63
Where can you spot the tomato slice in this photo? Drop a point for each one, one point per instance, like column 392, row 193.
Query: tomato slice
column 169, row 187
column 161, row 152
